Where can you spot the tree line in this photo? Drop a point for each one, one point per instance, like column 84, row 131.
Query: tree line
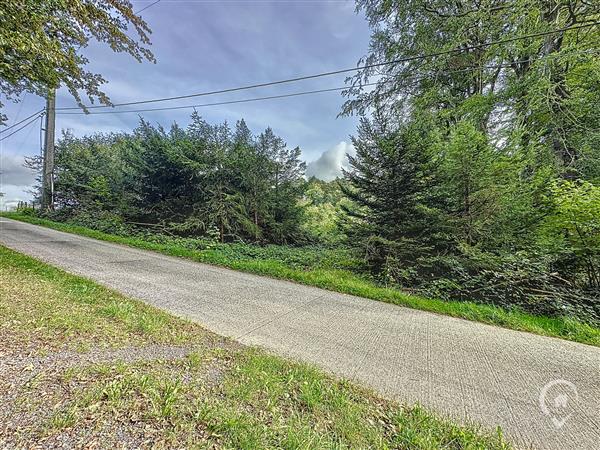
column 477, row 173
column 198, row 181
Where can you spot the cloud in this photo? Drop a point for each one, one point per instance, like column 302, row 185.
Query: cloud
column 15, row 180
column 329, row 165
column 12, row 170
column 13, row 195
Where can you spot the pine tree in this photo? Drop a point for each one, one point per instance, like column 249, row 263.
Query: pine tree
column 397, row 209
column 253, row 180
column 286, row 176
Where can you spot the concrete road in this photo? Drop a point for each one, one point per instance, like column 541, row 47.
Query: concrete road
column 543, row 392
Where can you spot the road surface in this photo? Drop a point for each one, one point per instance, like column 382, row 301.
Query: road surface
column 543, row 392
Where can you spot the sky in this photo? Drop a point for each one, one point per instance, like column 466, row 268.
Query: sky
column 209, row 45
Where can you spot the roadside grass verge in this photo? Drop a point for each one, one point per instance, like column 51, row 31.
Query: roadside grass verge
column 327, row 275
column 46, row 309
column 219, row 394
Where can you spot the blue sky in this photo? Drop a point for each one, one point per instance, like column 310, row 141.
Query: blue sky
column 206, row 45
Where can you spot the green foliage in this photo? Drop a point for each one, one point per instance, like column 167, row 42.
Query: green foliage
column 533, row 94
column 41, row 42
column 474, row 180
column 197, row 182
column 449, row 218
column 572, row 230
column 346, row 279
column 26, row 211
column 394, row 187
column 476, row 176
column 323, row 207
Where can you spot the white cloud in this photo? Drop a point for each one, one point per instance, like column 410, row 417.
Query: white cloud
column 13, row 171
column 13, row 194
column 329, row 165
column 15, row 180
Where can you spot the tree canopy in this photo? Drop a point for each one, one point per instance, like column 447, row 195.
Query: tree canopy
column 476, row 173
column 507, row 70
column 204, row 180
column 41, row 44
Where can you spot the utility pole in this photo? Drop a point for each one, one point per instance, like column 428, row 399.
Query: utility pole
column 48, row 170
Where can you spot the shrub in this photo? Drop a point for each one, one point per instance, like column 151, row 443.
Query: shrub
column 523, row 280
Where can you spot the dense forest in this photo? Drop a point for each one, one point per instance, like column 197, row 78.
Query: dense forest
column 204, row 180
column 477, row 170
column 476, row 174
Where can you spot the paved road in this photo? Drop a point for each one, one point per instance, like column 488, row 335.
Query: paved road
column 468, row 370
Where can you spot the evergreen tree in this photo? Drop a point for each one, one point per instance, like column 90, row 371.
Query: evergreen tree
column 393, row 184
column 253, row 177
column 192, row 182
column 286, row 179
column 155, row 175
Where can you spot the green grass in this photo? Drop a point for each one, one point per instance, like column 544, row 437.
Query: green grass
column 220, row 395
column 322, row 268
column 67, row 311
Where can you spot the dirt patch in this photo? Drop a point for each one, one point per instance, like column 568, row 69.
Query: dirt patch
column 66, row 359
column 36, row 391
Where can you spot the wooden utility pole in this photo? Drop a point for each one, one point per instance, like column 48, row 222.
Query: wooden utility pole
column 48, row 171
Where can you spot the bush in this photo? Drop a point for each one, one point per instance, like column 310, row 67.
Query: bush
column 523, row 280
column 27, row 211
column 99, row 220
column 297, row 257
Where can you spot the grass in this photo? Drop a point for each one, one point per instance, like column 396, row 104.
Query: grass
column 219, row 394
column 321, row 268
column 72, row 312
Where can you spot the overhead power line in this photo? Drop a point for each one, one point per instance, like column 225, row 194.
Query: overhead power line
column 296, row 94
column 23, row 141
column 21, row 121
column 146, row 7
column 254, row 99
column 246, row 100
column 20, row 128
column 340, row 71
